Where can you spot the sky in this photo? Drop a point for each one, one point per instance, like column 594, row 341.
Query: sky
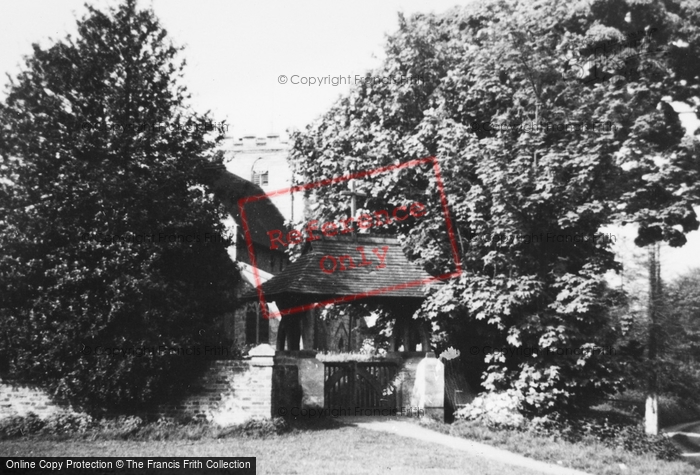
column 237, row 50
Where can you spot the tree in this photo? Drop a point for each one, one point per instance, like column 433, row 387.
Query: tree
column 114, row 270
column 537, row 134
column 659, row 341
column 682, row 327
column 681, row 340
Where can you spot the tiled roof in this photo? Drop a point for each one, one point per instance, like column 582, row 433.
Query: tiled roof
column 305, row 276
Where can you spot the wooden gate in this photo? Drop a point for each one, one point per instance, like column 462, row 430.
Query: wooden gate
column 356, row 386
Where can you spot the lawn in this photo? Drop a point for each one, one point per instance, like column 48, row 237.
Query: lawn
column 335, row 450
column 588, row 456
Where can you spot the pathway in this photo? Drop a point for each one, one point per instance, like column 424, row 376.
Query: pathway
column 414, row 431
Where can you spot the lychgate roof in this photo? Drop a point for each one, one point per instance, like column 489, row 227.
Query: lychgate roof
column 349, row 265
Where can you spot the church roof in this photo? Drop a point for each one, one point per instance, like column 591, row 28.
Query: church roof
column 320, row 272
column 262, row 215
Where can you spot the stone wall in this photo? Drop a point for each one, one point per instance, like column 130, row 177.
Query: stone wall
column 233, row 391
column 18, row 399
column 229, row 392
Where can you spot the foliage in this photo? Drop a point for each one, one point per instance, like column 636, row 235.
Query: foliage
column 678, row 349
column 133, row 428
column 258, row 428
column 449, row 354
column 532, row 173
column 683, row 315
column 501, row 409
column 98, row 141
column 680, row 338
column 55, row 424
column 122, row 427
column 67, row 423
column 581, row 446
column 18, row 426
column 635, row 440
column 619, row 435
column 673, row 409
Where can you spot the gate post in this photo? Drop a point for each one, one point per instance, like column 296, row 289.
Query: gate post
column 310, row 374
column 261, row 362
column 428, row 394
column 353, row 383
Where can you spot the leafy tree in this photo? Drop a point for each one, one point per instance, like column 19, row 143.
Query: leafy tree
column 495, row 91
column 98, row 142
column 677, row 340
column 682, row 328
column 680, row 338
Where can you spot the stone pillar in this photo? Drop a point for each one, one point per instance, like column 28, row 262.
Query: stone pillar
column 261, row 363
column 422, row 389
column 286, row 390
column 311, row 375
column 262, row 355
column 429, row 387
column 651, row 415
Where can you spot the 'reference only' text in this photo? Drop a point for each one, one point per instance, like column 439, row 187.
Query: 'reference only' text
column 345, row 226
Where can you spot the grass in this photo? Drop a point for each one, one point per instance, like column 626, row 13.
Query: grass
column 589, row 456
column 328, row 446
column 326, row 449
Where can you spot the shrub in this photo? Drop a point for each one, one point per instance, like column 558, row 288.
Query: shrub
column 162, row 429
column 675, row 410
column 614, row 434
column 67, row 423
column 614, row 430
column 257, row 428
column 194, row 429
column 134, row 428
column 635, row 440
column 478, row 431
column 123, row 427
column 18, row 426
column 576, row 429
column 495, row 410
